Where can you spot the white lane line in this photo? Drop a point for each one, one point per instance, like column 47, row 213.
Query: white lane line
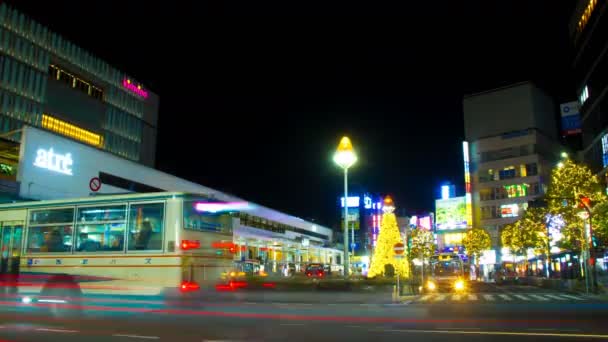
column 572, row 297
column 65, row 331
column 504, row 296
column 472, row 297
column 498, row 333
column 488, row 297
column 555, row 297
column 521, row 297
column 539, row 297
column 137, row 336
column 456, row 297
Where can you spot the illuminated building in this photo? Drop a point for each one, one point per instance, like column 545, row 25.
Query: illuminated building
column 48, row 82
column 364, row 217
column 589, row 34
column 510, row 150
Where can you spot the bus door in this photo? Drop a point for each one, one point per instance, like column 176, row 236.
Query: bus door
column 11, row 235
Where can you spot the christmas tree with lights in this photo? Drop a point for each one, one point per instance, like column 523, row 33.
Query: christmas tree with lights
column 384, row 253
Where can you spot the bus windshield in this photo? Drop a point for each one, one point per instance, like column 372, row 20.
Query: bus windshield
column 446, row 268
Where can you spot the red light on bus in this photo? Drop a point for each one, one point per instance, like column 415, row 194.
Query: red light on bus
column 189, row 286
column 189, row 244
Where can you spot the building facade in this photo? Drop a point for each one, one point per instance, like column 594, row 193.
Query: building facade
column 512, row 144
column 589, row 33
column 364, row 216
column 50, row 83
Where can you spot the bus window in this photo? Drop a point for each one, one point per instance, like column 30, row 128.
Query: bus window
column 50, row 230
column 146, row 226
column 100, row 228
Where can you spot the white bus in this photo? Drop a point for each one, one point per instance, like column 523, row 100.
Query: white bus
column 136, row 244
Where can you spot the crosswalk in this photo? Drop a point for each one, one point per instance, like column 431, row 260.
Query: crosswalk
column 499, row 297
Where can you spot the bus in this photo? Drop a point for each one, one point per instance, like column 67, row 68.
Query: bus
column 447, row 272
column 137, row 244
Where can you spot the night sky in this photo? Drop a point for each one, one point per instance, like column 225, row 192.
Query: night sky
column 254, row 98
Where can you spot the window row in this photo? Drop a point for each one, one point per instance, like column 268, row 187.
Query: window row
column 262, row 223
column 75, row 82
column 126, row 101
column 506, row 153
column 20, row 108
column 510, row 191
column 503, row 211
column 123, row 124
column 112, row 228
column 121, row 146
column 23, row 50
column 509, row 172
column 22, row 79
column 33, row 31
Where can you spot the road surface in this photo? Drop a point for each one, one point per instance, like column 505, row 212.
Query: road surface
column 257, row 317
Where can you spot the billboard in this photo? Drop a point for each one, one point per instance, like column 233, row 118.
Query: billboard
column 451, row 213
column 353, row 218
column 571, row 118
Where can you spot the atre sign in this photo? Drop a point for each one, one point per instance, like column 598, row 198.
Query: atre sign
column 50, row 160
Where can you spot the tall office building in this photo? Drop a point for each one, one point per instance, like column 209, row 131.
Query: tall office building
column 50, row 83
column 589, row 32
column 511, row 136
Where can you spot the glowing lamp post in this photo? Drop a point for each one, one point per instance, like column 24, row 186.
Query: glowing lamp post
column 345, row 157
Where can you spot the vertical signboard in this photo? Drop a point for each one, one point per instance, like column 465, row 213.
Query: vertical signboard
column 467, row 185
column 571, row 118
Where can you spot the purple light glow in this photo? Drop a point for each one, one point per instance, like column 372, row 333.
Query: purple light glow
column 218, row 207
column 136, row 89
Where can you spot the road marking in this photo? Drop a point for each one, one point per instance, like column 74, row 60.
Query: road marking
column 138, row 336
column 521, row 297
column 472, row 297
column 507, row 333
column 65, row 331
column 456, row 297
column 488, row 297
column 572, row 297
column 440, row 297
column 539, row 297
column 292, row 324
column 504, row 296
column 555, row 297
column 425, row 298
column 250, row 303
column 354, row 326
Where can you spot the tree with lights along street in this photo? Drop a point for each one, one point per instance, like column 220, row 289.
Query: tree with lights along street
column 423, row 244
column 570, row 184
column 529, row 232
column 475, row 242
column 384, row 253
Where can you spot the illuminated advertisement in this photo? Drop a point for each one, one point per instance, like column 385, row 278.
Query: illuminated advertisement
column 516, row 190
column 571, row 118
column 467, row 186
column 353, row 201
column 425, row 222
column 509, row 210
column 451, row 213
column 353, row 218
column 453, row 239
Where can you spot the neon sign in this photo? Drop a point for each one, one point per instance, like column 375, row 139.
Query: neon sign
column 47, row 159
column 367, row 201
column 467, row 184
column 352, row 201
column 137, row 89
column 214, row 207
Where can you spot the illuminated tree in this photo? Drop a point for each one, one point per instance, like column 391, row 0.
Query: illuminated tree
column 384, row 253
column 475, row 242
column 423, row 244
column 529, row 232
column 569, row 182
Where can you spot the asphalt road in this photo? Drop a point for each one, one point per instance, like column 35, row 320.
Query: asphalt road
column 263, row 317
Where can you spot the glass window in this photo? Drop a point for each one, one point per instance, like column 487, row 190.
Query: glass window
column 205, row 220
column 532, row 169
column 50, row 230
column 146, row 223
column 101, row 228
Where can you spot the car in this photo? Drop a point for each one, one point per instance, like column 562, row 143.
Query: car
column 315, row 271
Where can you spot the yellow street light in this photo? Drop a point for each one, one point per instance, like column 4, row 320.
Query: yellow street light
column 346, row 157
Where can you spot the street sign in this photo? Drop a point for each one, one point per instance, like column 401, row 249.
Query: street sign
column 399, row 248
column 95, row 184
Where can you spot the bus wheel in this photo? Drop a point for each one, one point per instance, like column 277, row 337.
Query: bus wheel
column 62, row 295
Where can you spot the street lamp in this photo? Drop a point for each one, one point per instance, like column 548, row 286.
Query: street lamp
column 345, row 157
